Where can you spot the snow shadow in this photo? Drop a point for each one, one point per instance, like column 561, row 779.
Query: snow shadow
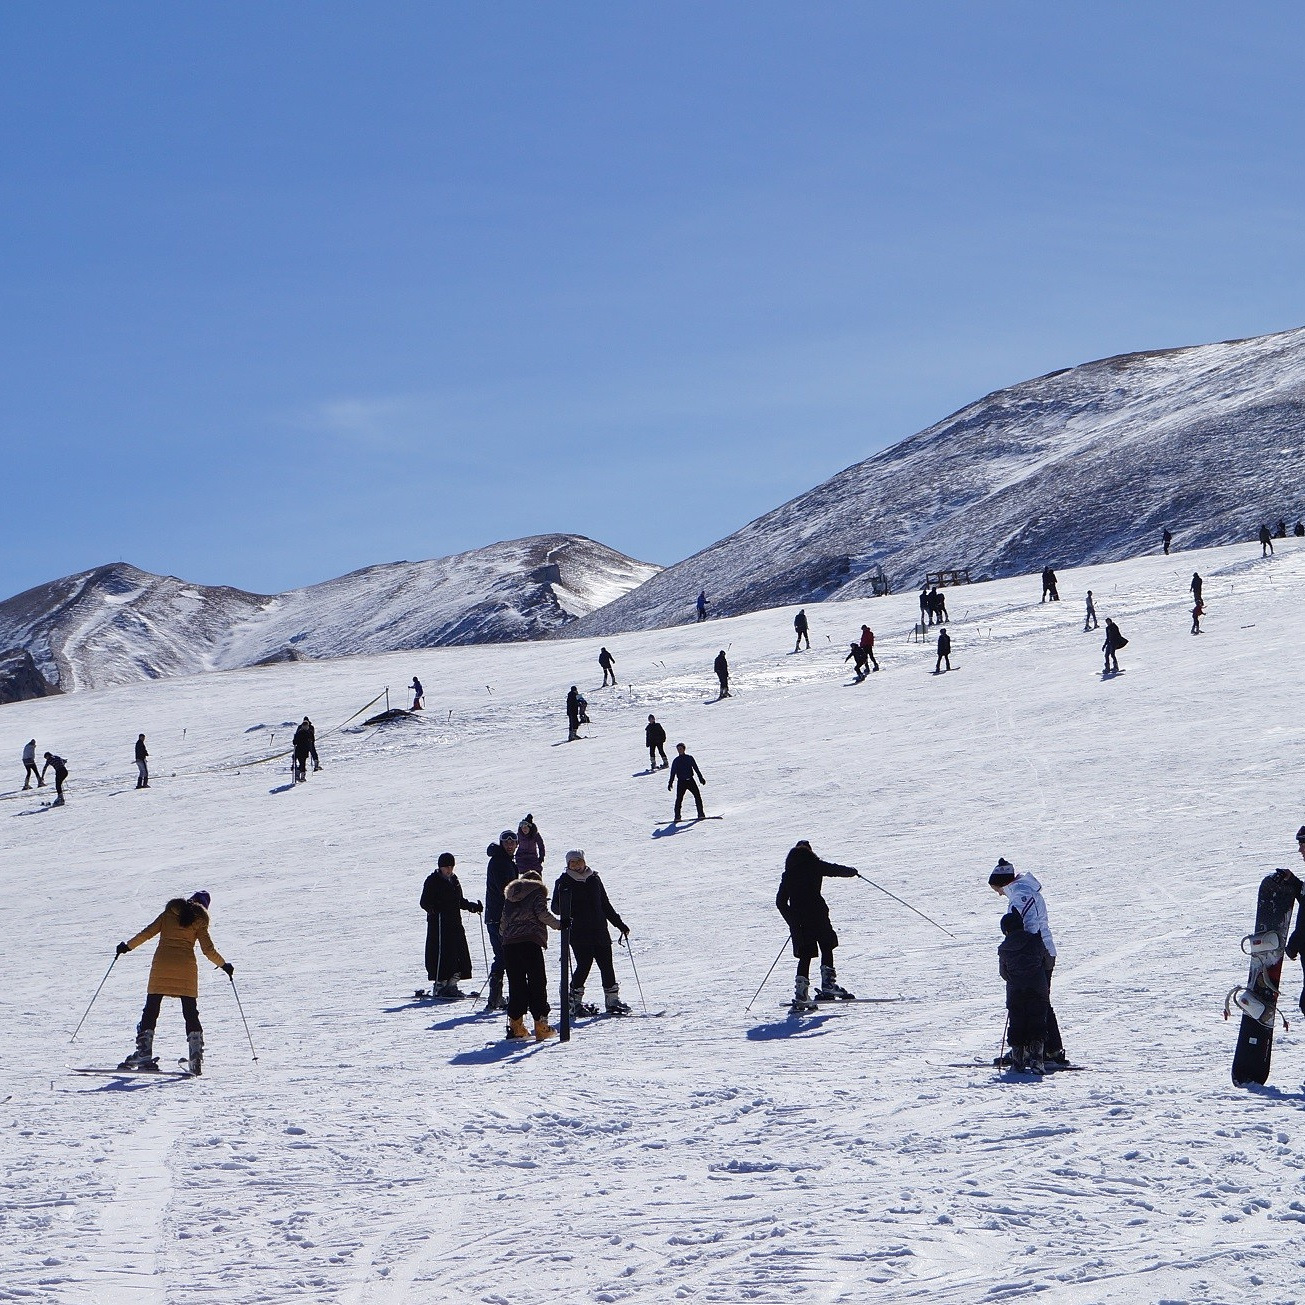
column 137, row 1083
column 285, row 788
column 1296, row 1098
column 497, row 1051
column 810, row 1026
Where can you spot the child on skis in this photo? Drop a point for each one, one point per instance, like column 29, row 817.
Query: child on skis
column 1020, row 960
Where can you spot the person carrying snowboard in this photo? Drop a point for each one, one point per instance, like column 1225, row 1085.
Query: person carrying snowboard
column 447, row 956
column 142, row 763
column 608, row 663
column 655, row 737
column 868, row 643
column 29, row 766
column 523, row 934
column 1024, row 893
column 800, row 625
column 573, row 714
column 1020, row 961
column 944, row 652
column 418, row 695
column 1114, row 642
column 722, row 669
column 60, row 767
column 683, row 769
column 1090, row 615
column 579, row 896
column 174, row 973
column 500, row 872
column 805, row 911
column 858, row 657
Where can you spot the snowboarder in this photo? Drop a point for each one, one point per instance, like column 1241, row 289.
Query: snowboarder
column 303, row 746
column 655, row 737
column 1196, row 616
column 702, row 606
column 608, row 663
column 1114, row 642
column 60, row 767
column 868, row 643
column 1167, row 538
column 573, row 714
column 29, row 766
column 858, row 657
column 530, row 850
column 1266, row 541
column 418, row 695
column 800, row 625
column 447, row 956
column 683, row 769
column 1024, row 893
column 142, row 763
column 523, row 935
column 579, row 896
column 174, row 973
column 722, row 669
column 1196, row 586
column 1021, row 962
column 500, row 872
column 944, row 651
column 1090, row 615
column 806, row 913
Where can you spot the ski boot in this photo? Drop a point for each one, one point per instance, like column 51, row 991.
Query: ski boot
column 516, row 1028
column 579, row 1008
column 544, row 1030
column 143, row 1057
column 802, row 994
column 615, row 1006
column 447, row 991
column 1033, row 1059
column 495, row 999
column 195, row 1044
column 830, row 988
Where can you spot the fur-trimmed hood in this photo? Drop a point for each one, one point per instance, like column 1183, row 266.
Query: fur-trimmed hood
column 521, row 888
column 187, row 912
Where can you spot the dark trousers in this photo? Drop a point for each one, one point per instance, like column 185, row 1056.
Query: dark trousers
column 527, row 982
column 59, row 776
column 1112, row 661
column 301, row 764
column 687, row 786
column 142, row 775
column 724, row 685
column 826, row 959
column 31, row 773
column 496, row 970
column 607, row 670
column 652, row 755
column 942, row 657
column 585, row 951
column 1030, row 1016
column 802, row 634
column 149, row 1017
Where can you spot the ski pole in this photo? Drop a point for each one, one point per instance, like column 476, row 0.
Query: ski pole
column 240, row 1006
column 769, row 972
column 1001, row 1051
column 103, row 981
column 625, row 942
column 480, row 915
column 908, row 905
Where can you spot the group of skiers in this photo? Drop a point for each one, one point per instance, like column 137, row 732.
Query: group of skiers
column 933, row 606
column 51, row 762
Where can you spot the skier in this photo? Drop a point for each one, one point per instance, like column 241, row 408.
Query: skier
column 173, row 973
column 523, row 935
column 608, row 663
column 29, row 766
column 683, row 769
column 1266, row 541
column 938, row 604
column 702, row 606
column 861, row 661
column 530, row 851
column 1114, row 642
column 573, row 714
column 447, row 956
column 944, row 652
column 655, row 737
column 1020, row 961
column 926, row 612
column 800, row 625
column 1196, row 586
column 868, row 643
column 303, row 745
column 60, row 774
column 1196, row 616
column 806, row 912
column 418, row 695
column 500, row 872
column 1090, row 614
column 142, row 763
column 722, row 669
column 1167, row 539
column 1024, row 893
column 579, row 896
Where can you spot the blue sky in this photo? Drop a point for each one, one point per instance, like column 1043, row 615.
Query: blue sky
column 290, row 289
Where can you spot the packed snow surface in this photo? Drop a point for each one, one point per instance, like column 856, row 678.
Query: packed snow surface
column 383, row 1150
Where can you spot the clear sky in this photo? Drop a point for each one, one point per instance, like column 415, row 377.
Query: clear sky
column 290, row 289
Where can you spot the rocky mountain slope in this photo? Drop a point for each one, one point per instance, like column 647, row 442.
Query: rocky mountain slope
column 1080, row 466
column 117, row 624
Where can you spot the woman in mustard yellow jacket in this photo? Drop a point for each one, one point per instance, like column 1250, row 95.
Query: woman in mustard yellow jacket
column 174, row 973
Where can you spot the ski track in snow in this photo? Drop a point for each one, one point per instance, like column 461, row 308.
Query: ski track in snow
column 385, row 1150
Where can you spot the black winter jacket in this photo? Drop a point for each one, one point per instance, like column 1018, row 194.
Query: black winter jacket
column 1022, row 961
column 801, row 902
column 500, row 872
column 590, row 910
column 654, row 736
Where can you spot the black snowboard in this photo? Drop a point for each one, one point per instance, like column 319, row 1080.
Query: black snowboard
column 1273, row 908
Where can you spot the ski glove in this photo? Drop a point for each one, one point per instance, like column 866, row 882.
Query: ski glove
column 1295, row 942
column 122, row 950
column 477, row 907
column 566, row 922
column 229, row 969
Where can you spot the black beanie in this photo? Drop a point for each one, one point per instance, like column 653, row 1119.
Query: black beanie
column 1003, row 874
column 1300, row 834
column 1012, row 922
column 445, row 858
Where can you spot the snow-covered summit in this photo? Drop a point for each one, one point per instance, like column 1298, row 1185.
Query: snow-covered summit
column 1080, row 466
column 116, row 623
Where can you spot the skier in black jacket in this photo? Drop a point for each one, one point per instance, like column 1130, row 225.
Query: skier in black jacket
column 722, row 669
column 608, row 663
column 655, row 737
column 579, row 896
column 683, row 769
column 1114, row 642
column 573, row 714
column 944, row 652
column 142, row 763
column 800, row 625
column 1021, row 959
column 501, row 871
column 806, row 912
column 305, row 745
column 1196, row 585
column 447, row 956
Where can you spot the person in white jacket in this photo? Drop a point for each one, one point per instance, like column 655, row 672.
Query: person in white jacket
column 1024, row 893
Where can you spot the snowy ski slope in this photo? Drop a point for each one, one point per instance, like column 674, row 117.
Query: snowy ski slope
column 384, row 1151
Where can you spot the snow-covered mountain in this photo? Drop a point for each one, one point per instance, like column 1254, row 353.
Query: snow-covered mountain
column 116, row 624
column 1080, row 466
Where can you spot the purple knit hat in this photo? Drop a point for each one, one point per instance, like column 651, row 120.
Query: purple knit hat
column 201, row 898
